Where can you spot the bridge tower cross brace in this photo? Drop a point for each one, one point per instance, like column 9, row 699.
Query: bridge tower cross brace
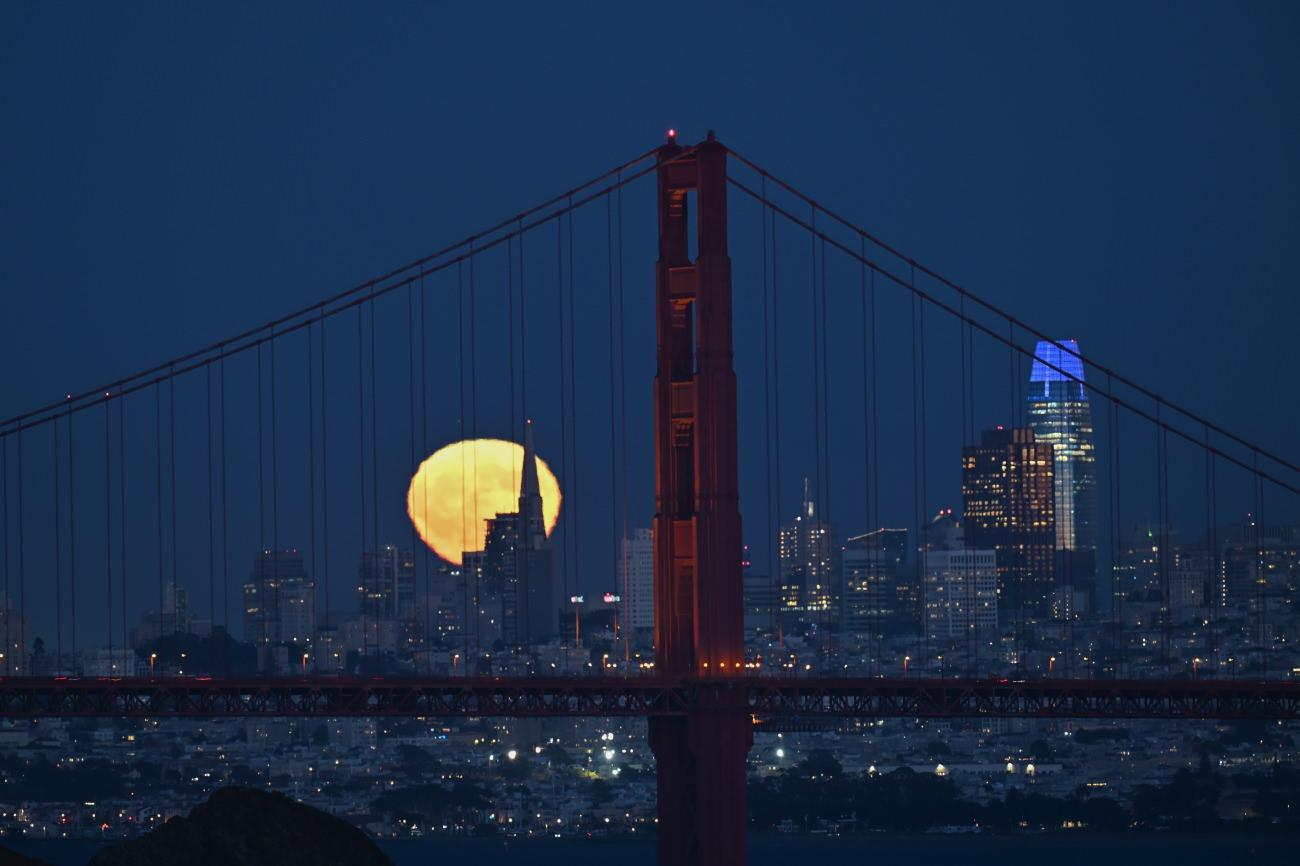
column 699, row 628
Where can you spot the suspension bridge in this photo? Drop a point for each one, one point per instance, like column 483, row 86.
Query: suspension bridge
column 876, row 380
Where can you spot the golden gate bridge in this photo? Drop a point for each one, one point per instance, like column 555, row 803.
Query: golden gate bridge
column 705, row 693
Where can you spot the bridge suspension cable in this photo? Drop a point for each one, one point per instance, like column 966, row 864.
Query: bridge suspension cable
column 1022, row 351
column 989, row 307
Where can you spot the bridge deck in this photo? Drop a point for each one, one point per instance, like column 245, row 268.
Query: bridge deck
column 766, row 697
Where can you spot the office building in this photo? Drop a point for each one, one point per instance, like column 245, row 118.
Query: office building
column 279, row 600
column 1060, row 416
column 517, row 566
column 637, row 582
column 1008, row 490
column 386, row 584
column 961, row 593
column 874, row 575
column 807, row 567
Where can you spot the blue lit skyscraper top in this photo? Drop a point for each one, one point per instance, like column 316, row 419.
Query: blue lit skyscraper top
column 1057, row 373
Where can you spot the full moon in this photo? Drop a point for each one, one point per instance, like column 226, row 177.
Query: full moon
column 464, row 483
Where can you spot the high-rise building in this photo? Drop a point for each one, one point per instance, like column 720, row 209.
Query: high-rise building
column 386, row 584
column 279, row 600
column 877, row 599
column 807, row 567
column 518, row 562
column 1060, row 415
column 1008, row 489
column 960, row 585
column 637, row 581
column 961, row 593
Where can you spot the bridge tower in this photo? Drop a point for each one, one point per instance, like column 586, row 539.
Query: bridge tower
column 699, row 630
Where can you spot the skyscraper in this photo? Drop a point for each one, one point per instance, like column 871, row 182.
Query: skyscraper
column 806, row 566
column 877, row 592
column 1060, row 415
column 960, row 585
column 1010, row 508
column 279, row 600
column 518, row 562
column 386, row 584
column 637, row 581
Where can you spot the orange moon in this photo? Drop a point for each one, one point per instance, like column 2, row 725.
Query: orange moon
column 463, row 484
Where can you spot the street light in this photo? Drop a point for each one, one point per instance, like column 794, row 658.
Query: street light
column 906, row 660
column 153, row 657
column 576, row 601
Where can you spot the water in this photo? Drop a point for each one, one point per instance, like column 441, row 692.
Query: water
column 1072, row 850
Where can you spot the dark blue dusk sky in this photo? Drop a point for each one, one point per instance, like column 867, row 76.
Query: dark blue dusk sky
column 1121, row 173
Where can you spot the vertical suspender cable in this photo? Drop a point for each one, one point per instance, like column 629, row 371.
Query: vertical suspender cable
column 875, row 473
column 9, row 602
column 1117, row 597
column 121, row 492
column 108, row 537
column 377, row 615
column 776, row 428
column 311, row 485
column 158, row 469
column 1261, row 571
column 918, row 544
column 473, row 434
column 925, row 478
column 514, row 630
column 523, row 400
column 366, row 584
column 225, row 529
column 58, row 549
column 1019, row 576
column 969, row 590
column 261, row 517
column 814, row 583
column 325, row 489
column 622, row 414
column 573, row 419
column 613, row 439
column 771, row 553
column 424, row 444
column 867, row 575
column 520, row 588
column 460, row 377
column 410, row 352
column 72, row 544
column 564, row 374
column 22, row 555
column 212, row 544
column 171, row 458
column 1162, row 574
column 1211, row 544
column 827, row 516
column 277, row 635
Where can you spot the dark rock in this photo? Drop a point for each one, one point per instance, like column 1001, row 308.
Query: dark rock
column 13, row 858
column 245, row 827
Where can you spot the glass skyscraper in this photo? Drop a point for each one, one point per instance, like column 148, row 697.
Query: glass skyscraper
column 1060, row 415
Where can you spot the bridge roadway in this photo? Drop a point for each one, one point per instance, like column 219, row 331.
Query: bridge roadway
column 766, row 697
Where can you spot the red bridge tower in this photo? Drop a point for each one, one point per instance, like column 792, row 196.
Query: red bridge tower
column 699, row 630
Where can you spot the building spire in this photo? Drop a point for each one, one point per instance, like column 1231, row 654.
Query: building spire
column 530, row 489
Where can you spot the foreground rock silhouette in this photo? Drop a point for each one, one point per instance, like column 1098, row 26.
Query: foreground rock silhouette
column 246, row 827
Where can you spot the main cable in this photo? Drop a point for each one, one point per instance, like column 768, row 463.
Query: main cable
column 1038, row 334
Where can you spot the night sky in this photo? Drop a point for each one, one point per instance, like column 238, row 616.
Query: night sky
column 1122, row 174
